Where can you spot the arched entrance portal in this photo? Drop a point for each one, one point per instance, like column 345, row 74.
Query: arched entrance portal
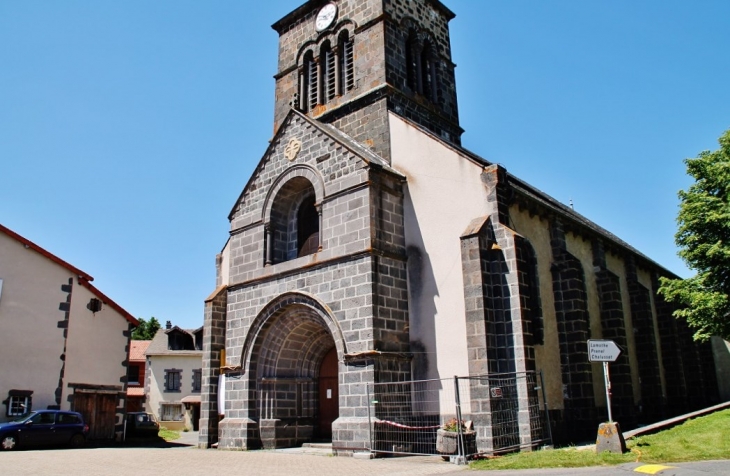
column 294, row 371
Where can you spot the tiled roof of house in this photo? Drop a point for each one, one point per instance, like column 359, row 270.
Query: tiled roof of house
column 84, row 279
column 135, row 391
column 137, row 349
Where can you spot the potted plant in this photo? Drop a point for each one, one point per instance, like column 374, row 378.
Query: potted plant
column 447, row 437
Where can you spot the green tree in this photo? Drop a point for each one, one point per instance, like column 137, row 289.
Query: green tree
column 704, row 241
column 146, row 329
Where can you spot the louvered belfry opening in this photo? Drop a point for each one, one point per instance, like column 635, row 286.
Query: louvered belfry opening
column 327, row 75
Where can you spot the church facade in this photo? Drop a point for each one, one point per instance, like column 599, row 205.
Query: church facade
column 368, row 247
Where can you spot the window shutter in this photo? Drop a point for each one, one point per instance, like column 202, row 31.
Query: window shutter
column 313, row 84
column 348, row 69
column 330, row 74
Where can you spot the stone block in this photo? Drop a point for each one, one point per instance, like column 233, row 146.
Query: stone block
column 610, row 438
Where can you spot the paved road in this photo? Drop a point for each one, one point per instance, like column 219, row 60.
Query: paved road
column 182, row 460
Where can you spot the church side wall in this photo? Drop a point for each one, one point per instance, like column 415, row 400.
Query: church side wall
column 583, row 250
column 547, row 355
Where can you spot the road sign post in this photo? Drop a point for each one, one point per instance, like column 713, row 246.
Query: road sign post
column 605, row 351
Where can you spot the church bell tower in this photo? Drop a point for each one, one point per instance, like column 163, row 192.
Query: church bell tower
column 349, row 63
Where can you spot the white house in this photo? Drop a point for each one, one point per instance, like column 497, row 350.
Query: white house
column 173, row 377
column 63, row 343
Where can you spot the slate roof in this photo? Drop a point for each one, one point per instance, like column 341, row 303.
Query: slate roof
column 135, row 391
column 546, row 201
column 159, row 344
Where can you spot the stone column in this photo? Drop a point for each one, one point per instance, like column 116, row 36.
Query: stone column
column 269, row 243
column 214, row 333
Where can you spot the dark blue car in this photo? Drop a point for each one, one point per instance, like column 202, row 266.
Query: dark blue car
column 44, row 428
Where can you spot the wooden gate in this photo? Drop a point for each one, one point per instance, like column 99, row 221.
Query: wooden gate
column 99, row 411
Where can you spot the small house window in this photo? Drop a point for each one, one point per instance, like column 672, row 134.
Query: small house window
column 18, row 405
column 197, row 376
column 133, row 374
column 171, row 412
column 172, row 380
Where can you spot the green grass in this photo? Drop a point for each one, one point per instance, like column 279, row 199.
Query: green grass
column 168, row 435
column 702, row 438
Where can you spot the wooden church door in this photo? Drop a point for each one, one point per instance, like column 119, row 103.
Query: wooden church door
column 329, row 407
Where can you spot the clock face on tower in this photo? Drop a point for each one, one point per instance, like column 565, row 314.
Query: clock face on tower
column 326, row 16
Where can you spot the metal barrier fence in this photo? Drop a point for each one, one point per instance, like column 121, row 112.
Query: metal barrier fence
column 499, row 413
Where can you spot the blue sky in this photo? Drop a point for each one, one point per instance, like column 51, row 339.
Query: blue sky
column 128, row 129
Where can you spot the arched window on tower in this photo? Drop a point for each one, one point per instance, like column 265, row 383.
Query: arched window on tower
column 421, row 66
column 305, row 73
column 428, row 71
column 412, row 60
column 313, row 83
column 329, row 76
column 346, row 68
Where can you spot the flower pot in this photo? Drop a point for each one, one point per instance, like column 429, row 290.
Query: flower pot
column 447, row 442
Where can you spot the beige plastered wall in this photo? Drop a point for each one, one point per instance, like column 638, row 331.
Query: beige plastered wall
column 31, row 343
column 547, row 356
column 156, row 395
column 443, row 194
column 97, row 347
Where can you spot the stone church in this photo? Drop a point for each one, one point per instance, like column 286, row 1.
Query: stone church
column 368, row 246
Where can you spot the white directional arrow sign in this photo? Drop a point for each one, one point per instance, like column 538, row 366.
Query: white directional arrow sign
column 602, row 350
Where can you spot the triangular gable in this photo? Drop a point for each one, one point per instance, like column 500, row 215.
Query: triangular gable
column 29, row 244
column 84, row 279
column 338, row 137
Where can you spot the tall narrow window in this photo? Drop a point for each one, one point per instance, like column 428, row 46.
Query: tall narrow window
column 172, row 380
column 327, row 60
column 313, row 79
column 347, row 70
column 411, row 61
column 197, row 374
column 428, row 71
column 304, row 87
column 421, row 66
